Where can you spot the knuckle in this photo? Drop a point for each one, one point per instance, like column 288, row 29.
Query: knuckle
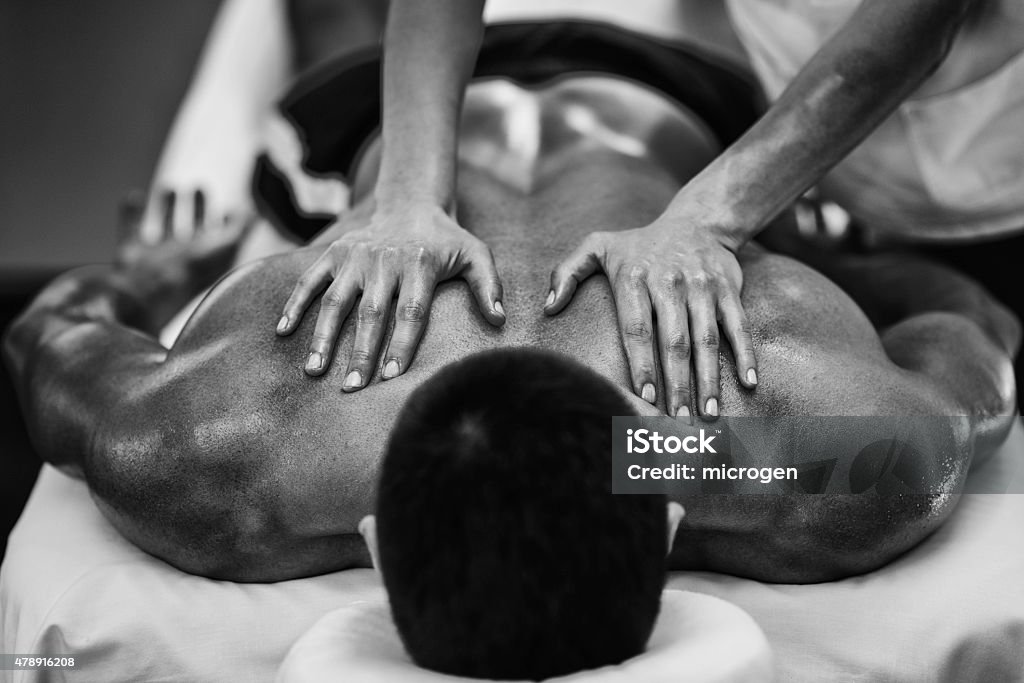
column 643, row 371
column 678, row 344
column 709, row 339
column 671, row 280
column 743, row 334
column 322, row 340
column 591, row 241
column 332, row 300
column 370, row 312
column 412, row 311
column 637, row 330
column 699, row 282
column 360, row 358
column 635, row 274
column 383, row 254
column 306, row 281
column 296, row 303
column 419, row 256
column 679, row 388
column 400, row 348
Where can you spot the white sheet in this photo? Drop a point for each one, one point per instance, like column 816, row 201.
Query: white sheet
column 951, row 610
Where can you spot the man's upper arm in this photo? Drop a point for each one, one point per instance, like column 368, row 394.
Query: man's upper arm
column 73, row 371
column 958, row 360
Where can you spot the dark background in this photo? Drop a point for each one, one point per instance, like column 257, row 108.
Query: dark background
column 89, row 89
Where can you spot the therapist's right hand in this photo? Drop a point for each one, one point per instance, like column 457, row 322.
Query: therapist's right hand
column 400, row 251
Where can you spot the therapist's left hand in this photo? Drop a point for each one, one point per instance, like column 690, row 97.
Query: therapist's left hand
column 686, row 279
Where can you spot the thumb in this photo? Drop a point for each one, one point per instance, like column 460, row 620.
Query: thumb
column 574, row 269
column 482, row 275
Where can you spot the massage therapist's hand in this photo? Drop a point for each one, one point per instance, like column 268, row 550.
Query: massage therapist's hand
column 405, row 252
column 686, row 279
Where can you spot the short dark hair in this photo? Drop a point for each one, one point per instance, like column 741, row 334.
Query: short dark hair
column 503, row 551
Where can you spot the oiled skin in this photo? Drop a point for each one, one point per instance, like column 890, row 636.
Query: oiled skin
column 224, row 458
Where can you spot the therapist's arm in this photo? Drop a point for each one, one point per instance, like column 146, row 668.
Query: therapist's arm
column 410, row 240
column 882, row 54
column 682, row 268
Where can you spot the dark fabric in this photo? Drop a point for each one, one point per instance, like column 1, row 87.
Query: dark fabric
column 18, row 459
column 336, row 107
column 997, row 266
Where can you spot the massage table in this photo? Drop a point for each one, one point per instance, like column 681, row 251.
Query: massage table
column 952, row 609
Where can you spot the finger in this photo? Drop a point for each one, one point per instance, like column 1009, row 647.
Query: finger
column 411, row 316
column 574, row 269
column 633, row 307
column 704, row 333
column 167, row 201
column 335, row 305
column 737, row 331
column 182, row 225
column 482, row 276
column 309, row 285
column 674, row 348
column 371, row 322
column 198, row 210
column 129, row 217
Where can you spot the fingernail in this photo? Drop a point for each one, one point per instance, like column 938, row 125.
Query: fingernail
column 353, row 380
column 711, row 407
column 499, row 308
column 684, row 411
column 648, row 393
column 391, row 369
column 315, row 361
column 551, row 298
column 282, row 324
column 752, row 376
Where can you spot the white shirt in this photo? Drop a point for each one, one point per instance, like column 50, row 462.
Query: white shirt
column 949, row 163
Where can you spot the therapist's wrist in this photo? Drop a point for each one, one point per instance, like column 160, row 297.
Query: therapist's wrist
column 739, row 194
column 393, row 197
column 423, row 174
column 690, row 219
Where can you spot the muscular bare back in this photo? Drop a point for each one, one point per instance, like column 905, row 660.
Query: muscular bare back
column 279, row 467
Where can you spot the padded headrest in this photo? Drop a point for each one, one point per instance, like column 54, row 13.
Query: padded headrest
column 698, row 638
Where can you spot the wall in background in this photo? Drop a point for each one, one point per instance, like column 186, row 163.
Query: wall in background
column 88, row 91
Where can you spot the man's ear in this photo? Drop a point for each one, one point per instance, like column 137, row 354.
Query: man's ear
column 675, row 515
column 368, row 530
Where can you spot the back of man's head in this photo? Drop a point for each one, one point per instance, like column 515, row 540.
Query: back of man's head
column 502, row 549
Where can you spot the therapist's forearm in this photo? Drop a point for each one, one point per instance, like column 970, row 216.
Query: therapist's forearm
column 848, row 88
column 429, row 55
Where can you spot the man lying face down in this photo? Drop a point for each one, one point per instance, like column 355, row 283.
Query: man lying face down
column 223, row 458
